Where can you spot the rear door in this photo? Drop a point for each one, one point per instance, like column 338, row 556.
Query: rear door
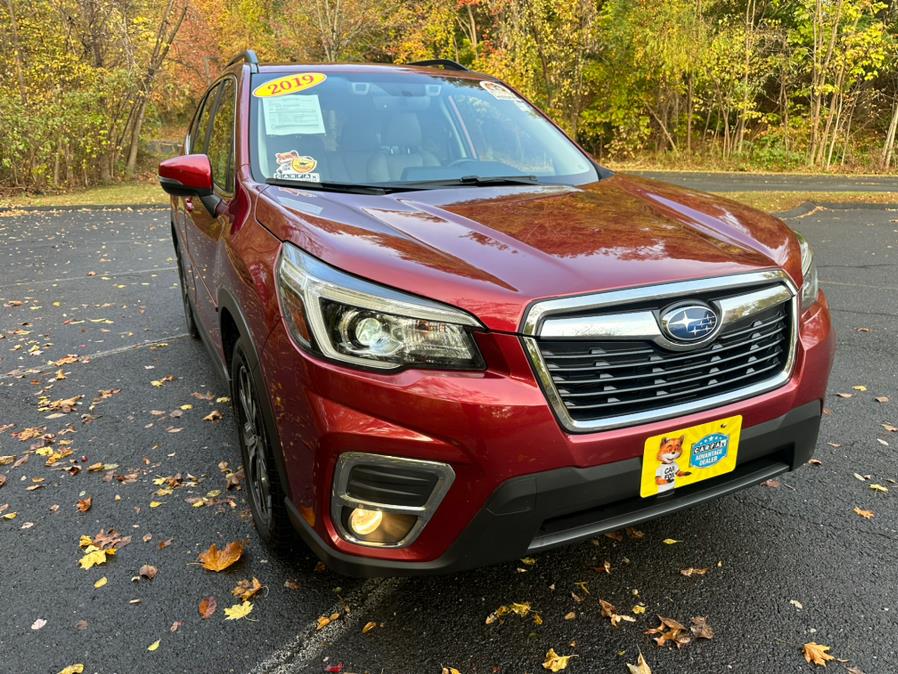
column 204, row 235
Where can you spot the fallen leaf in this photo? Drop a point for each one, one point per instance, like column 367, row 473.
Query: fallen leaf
column 175, row 626
column 147, row 571
column 73, row 669
column 84, row 504
column 10, row 516
column 878, row 487
column 845, row 395
column 866, row 514
column 368, row 627
column 641, row 666
column 859, row 388
column 2, row 480
column 38, row 624
column 95, row 556
column 797, row 604
column 217, row 560
column 670, row 541
column 881, row 399
column 153, row 646
column 816, row 654
column 521, row 609
column 670, row 631
column 700, row 628
column 325, row 620
column 100, row 583
column 450, row 670
column 238, row 611
column 610, row 612
column 555, row 662
column 570, row 615
column 247, row 589
column 291, row 584
column 690, row 571
column 639, row 609
column 207, row 607
column 889, row 428
column 214, row 415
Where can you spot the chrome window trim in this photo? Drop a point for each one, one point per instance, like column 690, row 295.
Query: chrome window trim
column 339, row 497
column 538, row 318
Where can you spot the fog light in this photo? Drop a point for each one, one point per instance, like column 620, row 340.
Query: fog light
column 364, row 522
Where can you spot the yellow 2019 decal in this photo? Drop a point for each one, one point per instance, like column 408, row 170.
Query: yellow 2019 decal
column 289, row 84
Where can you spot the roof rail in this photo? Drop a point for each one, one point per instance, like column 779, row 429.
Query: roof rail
column 446, row 64
column 248, row 56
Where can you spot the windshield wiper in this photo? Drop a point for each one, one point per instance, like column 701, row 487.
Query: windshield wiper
column 354, row 188
column 474, row 180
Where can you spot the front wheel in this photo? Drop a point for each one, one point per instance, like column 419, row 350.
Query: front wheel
column 185, row 300
column 266, row 495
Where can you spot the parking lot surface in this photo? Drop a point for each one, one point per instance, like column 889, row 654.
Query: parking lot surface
column 778, row 565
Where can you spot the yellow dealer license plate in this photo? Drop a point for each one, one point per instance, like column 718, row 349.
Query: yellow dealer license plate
column 686, row 455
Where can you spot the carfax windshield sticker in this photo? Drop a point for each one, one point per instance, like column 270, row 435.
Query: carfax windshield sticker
column 289, row 84
column 499, row 91
column 295, row 166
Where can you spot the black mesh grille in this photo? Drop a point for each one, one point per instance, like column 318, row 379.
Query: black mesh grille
column 391, row 485
column 599, row 379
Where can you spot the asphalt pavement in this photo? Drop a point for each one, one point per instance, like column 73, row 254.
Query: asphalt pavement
column 787, row 564
column 766, row 182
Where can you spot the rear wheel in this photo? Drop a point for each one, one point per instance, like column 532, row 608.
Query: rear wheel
column 263, row 486
column 185, row 299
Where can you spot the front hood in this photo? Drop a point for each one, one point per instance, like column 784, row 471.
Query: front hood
column 493, row 251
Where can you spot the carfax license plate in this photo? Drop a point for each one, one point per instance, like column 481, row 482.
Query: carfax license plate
column 687, row 455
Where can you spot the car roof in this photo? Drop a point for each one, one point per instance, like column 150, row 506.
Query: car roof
column 370, row 67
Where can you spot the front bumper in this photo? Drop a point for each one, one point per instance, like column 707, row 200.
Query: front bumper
column 533, row 513
column 522, row 483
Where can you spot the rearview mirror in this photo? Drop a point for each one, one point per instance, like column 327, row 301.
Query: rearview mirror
column 189, row 175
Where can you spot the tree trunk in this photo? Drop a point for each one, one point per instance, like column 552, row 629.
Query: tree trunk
column 135, row 138
column 888, row 147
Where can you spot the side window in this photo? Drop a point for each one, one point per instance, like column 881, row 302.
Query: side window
column 201, row 123
column 221, row 141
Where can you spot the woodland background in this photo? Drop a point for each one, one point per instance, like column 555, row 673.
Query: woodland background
column 85, row 85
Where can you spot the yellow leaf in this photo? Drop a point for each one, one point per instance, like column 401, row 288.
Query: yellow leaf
column 84, row 541
column 641, row 666
column 186, row 407
column 238, row 611
column 73, row 669
column 94, row 557
column 368, row 627
column 100, row 583
column 670, row 541
column 153, row 646
column 10, row 516
column 879, row 487
column 866, row 514
column 217, row 560
column 639, row 609
column 450, row 670
column 555, row 662
column 155, row 504
column 859, row 388
column 816, row 654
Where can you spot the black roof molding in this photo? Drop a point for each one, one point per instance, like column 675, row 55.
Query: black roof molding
column 248, row 56
column 446, row 64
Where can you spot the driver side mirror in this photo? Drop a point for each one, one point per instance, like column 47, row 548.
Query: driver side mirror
column 189, row 175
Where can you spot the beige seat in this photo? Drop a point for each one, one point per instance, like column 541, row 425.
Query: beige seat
column 400, row 149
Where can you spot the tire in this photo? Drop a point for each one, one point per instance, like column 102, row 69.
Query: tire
column 189, row 319
column 261, row 480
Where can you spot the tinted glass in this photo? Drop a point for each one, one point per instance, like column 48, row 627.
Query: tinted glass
column 201, row 123
column 221, row 140
column 372, row 127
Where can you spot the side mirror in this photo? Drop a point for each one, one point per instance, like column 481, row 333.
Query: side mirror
column 189, row 175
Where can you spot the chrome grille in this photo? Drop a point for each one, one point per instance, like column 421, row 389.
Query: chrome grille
column 604, row 362
column 602, row 378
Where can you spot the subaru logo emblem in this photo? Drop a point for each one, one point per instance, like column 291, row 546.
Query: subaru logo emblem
column 690, row 323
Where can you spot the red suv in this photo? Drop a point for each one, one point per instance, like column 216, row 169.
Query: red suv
column 452, row 339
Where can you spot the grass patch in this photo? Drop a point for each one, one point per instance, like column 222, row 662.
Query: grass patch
column 126, row 194
column 772, row 202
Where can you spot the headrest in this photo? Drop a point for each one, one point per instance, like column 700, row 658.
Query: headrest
column 358, row 137
column 403, row 129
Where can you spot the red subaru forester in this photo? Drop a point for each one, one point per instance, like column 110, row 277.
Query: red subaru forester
column 452, row 339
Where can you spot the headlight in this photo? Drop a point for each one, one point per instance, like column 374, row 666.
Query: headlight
column 810, row 286
column 355, row 321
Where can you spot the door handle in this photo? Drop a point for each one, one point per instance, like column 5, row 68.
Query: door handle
column 188, row 205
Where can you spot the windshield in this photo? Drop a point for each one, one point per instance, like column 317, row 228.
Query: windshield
column 388, row 128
